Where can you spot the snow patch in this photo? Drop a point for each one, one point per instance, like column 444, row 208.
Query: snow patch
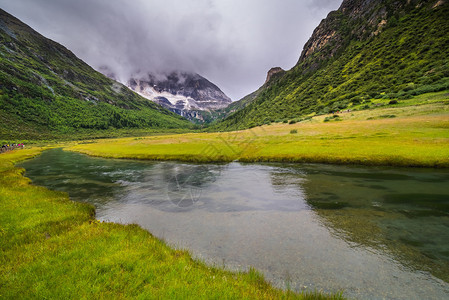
column 178, row 101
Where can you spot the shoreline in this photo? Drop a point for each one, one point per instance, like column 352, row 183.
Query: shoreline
column 383, row 162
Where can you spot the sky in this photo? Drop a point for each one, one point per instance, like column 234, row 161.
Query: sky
column 233, row 43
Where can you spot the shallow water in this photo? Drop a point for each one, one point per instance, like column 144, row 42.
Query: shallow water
column 371, row 232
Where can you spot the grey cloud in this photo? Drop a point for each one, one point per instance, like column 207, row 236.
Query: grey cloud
column 233, row 43
column 324, row 3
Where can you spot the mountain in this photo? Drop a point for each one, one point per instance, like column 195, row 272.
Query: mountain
column 187, row 94
column 45, row 90
column 368, row 52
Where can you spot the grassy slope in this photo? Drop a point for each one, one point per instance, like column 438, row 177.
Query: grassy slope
column 79, row 135
column 409, row 57
column 397, row 135
column 51, row 247
column 45, row 91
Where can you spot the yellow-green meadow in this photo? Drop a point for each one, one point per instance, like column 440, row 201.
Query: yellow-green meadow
column 416, row 136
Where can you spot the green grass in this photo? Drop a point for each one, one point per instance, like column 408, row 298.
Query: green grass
column 417, row 136
column 53, row 248
column 82, row 135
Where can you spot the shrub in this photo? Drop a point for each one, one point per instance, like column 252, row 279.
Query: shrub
column 325, row 110
column 356, row 100
column 392, row 95
column 293, row 131
column 405, row 96
column 374, row 94
column 292, row 122
column 333, row 118
column 393, row 102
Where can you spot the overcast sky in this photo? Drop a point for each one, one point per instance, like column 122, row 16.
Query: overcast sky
column 233, row 43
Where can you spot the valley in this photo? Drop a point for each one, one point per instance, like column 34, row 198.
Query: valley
column 328, row 181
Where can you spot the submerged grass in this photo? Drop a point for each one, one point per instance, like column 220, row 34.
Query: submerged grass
column 418, row 136
column 51, row 247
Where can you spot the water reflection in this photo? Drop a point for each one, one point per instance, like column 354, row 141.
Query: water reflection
column 372, row 232
column 170, row 187
column 401, row 211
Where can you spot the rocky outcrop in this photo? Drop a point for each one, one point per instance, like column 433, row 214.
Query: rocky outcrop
column 438, row 3
column 272, row 72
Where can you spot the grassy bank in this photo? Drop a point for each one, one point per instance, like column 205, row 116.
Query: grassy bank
column 396, row 135
column 51, row 247
column 16, row 133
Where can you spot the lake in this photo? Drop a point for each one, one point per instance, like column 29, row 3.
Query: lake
column 372, row 232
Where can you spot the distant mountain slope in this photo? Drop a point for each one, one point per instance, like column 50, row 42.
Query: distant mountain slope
column 45, row 88
column 367, row 49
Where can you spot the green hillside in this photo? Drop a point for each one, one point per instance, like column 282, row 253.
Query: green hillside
column 366, row 54
column 46, row 91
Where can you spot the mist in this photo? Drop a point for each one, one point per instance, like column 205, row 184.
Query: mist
column 233, row 43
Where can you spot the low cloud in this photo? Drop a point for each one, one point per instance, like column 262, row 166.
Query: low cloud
column 233, row 43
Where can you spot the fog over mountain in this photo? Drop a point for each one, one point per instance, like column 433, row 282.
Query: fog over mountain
column 232, row 43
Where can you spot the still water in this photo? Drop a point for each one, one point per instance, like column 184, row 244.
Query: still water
column 371, row 232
